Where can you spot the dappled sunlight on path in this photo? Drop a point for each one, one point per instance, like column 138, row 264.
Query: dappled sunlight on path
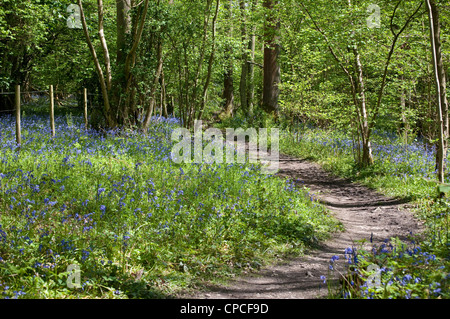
column 366, row 215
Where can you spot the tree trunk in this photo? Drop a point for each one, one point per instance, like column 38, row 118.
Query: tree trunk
column 251, row 74
column 163, row 96
column 367, row 158
column 442, row 103
column 149, row 111
column 129, row 81
column 190, row 107
column 101, row 34
column 405, row 123
column 244, row 66
column 123, row 27
column 110, row 121
column 228, row 91
column 246, row 85
column 210, row 64
column 271, row 66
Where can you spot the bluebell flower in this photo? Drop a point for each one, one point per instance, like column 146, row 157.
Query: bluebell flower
column 334, row 258
column 348, row 251
column 85, row 255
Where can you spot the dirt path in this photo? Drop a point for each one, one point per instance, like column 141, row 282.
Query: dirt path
column 362, row 211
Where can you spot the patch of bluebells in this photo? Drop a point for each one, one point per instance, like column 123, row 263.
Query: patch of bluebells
column 65, row 218
column 406, row 271
column 403, row 160
column 3, row 235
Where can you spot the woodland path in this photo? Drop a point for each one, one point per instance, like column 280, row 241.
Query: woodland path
column 362, row 211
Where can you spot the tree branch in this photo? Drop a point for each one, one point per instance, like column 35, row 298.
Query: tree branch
column 327, row 41
column 101, row 33
column 210, row 62
column 97, row 66
column 388, row 60
column 131, row 57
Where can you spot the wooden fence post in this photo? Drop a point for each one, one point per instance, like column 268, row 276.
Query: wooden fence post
column 52, row 111
column 18, row 130
column 85, row 109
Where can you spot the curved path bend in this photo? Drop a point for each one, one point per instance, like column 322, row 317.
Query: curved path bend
column 362, row 211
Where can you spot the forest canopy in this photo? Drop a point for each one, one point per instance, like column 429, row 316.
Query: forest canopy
column 352, row 65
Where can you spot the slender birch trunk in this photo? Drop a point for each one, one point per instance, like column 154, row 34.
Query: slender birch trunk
column 441, row 94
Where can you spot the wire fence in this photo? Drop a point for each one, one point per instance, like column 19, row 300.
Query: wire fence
column 51, row 93
column 28, row 92
column 47, row 93
column 35, row 92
